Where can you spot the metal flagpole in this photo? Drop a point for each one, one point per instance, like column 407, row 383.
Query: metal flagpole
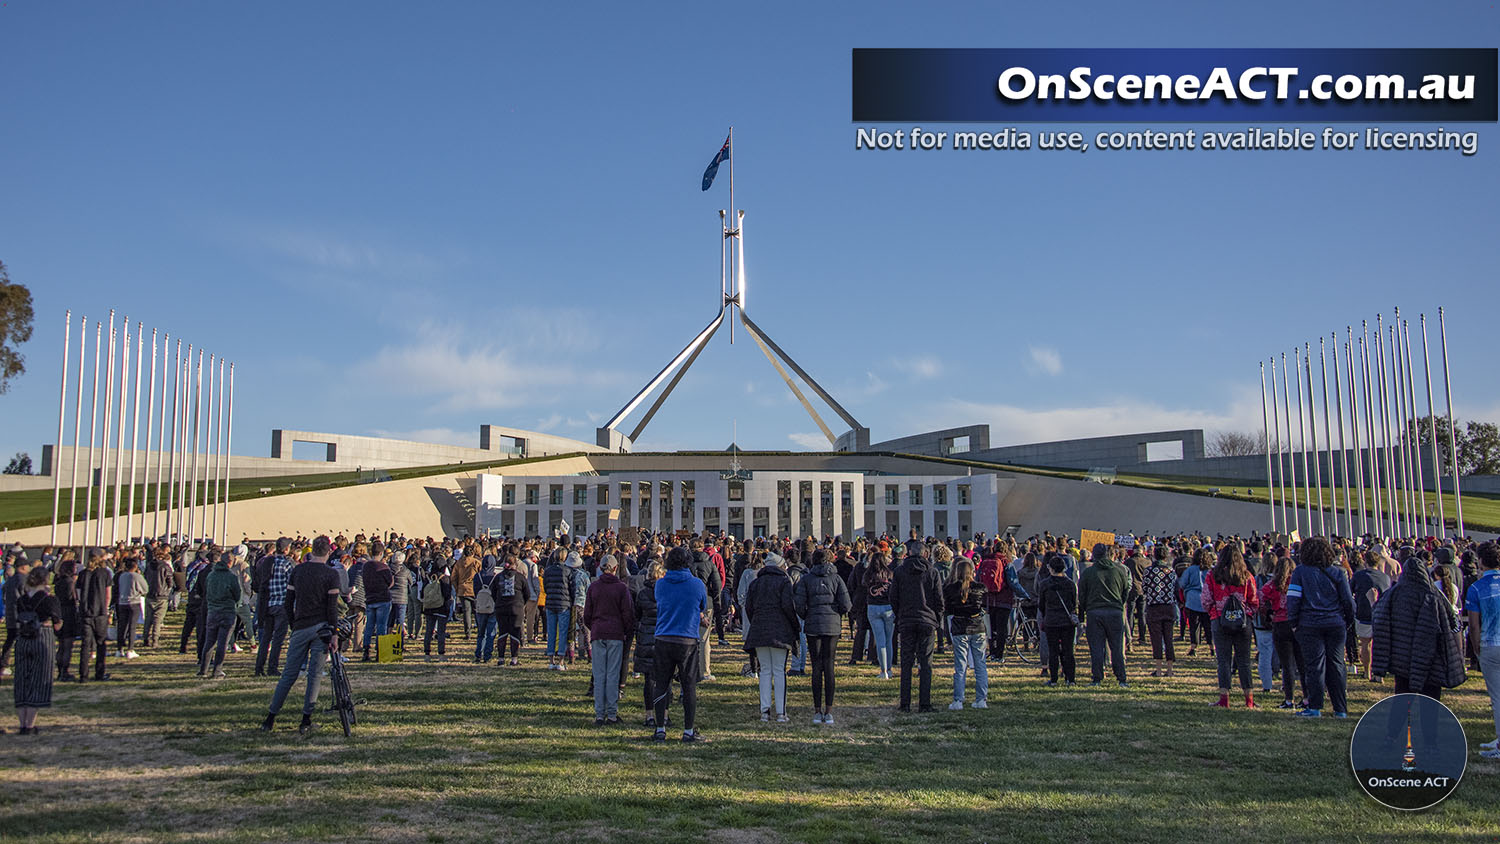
column 1377, row 487
column 1265, row 429
column 1312, row 427
column 62, row 410
column 83, row 333
column 1359, row 459
column 1338, row 406
column 182, row 446
column 1302, row 444
column 1419, row 489
column 135, row 431
column 192, row 501
column 1291, row 461
column 171, row 517
column 1437, row 471
column 228, row 430
column 88, row 500
column 114, row 522
column 1333, row 478
column 1279, row 476
column 1388, row 464
column 146, row 475
column 109, row 406
column 1458, row 501
column 1408, row 522
column 217, row 440
column 210, row 451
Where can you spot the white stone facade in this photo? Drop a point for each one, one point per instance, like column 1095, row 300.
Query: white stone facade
column 781, row 503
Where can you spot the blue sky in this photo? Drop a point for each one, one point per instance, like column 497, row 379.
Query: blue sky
column 413, row 219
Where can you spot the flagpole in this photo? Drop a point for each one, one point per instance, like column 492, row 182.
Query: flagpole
column 1437, row 470
column 1291, row 462
column 1279, row 475
column 1338, row 405
column 1420, row 489
column 1359, row 460
column 1265, row 429
column 83, row 333
column 1458, row 501
column 1333, row 481
column 62, row 411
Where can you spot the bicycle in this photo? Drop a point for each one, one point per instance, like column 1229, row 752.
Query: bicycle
column 1025, row 638
column 337, row 639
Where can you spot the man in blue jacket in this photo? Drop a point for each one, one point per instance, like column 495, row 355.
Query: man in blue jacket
column 681, row 610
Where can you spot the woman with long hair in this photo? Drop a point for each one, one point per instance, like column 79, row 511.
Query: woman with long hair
column 1288, row 653
column 1159, row 588
column 1319, row 606
column 877, row 586
column 64, row 590
column 37, row 620
column 963, row 597
column 1191, row 584
column 1230, row 598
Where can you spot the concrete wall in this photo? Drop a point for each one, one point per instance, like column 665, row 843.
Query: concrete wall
column 1040, row 504
column 1120, row 451
column 938, row 443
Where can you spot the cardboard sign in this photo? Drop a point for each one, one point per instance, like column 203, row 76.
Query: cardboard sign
column 1089, row 538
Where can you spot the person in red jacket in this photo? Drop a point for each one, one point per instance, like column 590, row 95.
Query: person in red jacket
column 609, row 615
column 1230, row 598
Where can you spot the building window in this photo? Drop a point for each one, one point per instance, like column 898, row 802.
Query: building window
column 601, row 494
column 915, row 495
column 554, row 496
column 963, row 494
column 508, row 494
column 940, row 496
column 892, row 496
column 580, row 496
column 736, row 490
column 531, row 498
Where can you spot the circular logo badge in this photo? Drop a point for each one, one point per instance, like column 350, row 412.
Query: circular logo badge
column 1408, row 752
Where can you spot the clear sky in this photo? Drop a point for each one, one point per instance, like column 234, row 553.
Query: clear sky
column 411, row 219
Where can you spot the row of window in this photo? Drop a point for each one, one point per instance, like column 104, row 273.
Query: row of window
column 581, row 494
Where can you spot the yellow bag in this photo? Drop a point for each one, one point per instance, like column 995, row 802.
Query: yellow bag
column 389, row 647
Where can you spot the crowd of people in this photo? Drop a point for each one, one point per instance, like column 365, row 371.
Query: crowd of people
column 1306, row 613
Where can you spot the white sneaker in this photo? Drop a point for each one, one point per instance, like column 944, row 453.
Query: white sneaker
column 817, row 717
column 1489, row 754
column 782, row 718
column 131, row 654
column 956, row 705
column 981, row 704
column 765, row 715
column 1490, row 745
column 828, row 720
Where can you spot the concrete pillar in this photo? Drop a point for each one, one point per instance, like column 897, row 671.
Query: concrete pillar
column 817, row 507
column 838, row 508
column 674, row 496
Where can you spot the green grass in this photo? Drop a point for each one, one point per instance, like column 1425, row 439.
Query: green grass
column 450, row 751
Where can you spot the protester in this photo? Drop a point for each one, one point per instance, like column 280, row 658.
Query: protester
column 1191, row 584
column 437, row 609
column 379, row 581
column 93, row 615
column 1058, row 603
column 882, row 618
column 645, row 637
column 312, row 604
column 37, row 618
column 964, row 599
column 272, row 573
column 681, row 610
column 1482, row 602
column 65, row 590
column 159, row 578
column 221, row 594
column 917, row 599
column 130, row 602
column 771, row 613
column 1367, row 585
column 510, row 592
column 822, row 600
column 1230, row 597
column 1159, row 591
column 1103, row 589
column 1413, row 639
column 1318, row 606
column 609, row 613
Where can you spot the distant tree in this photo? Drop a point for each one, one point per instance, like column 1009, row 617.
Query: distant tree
column 1235, row 444
column 1478, row 444
column 15, row 327
column 19, row 465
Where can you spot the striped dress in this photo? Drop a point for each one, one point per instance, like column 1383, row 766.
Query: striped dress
column 35, row 655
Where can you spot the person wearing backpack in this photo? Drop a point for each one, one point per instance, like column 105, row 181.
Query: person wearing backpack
column 36, row 617
column 1230, row 598
column 484, row 611
column 822, row 600
column 437, row 608
column 1191, row 584
column 510, row 592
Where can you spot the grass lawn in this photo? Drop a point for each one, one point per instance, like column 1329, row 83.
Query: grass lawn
column 451, row 751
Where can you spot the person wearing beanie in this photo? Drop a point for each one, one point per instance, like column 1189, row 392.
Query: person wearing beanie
column 609, row 614
column 681, row 609
column 771, row 632
column 484, row 610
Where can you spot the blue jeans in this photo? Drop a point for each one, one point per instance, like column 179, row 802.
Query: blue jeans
column 608, row 654
column 306, row 648
column 1323, row 659
column 377, row 619
column 883, row 628
column 558, row 622
column 968, row 652
column 801, row 661
column 1265, row 652
column 485, row 646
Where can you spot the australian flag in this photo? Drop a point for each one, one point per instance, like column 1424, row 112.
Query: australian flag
column 713, row 166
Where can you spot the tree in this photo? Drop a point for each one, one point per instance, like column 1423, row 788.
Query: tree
column 1478, row 444
column 1235, row 444
column 19, row 465
column 15, row 327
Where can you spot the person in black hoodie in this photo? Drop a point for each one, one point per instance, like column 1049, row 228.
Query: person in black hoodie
column 1058, row 602
column 822, row 601
column 858, row 611
column 511, row 590
column 917, row 599
column 771, row 632
column 645, row 633
column 1414, row 633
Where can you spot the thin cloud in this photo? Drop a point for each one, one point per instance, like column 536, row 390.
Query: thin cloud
column 1045, row 360
column 924, row 368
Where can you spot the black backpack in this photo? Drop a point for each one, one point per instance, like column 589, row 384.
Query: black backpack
column 1232, row 617
column 28, row 623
